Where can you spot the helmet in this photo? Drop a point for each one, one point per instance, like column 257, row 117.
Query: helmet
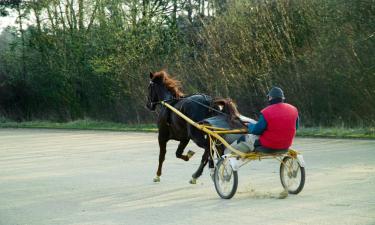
column 276, row 92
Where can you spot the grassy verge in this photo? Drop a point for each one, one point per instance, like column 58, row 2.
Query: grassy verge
column 337, row 132
column 332, row 132
column 81, row 125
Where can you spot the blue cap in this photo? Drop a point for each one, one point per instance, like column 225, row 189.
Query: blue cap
column 276, row 92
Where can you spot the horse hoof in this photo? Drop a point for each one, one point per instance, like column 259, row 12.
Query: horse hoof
column 190, row 154
column 157, row 179
column 193, row 181
column 212, row 174
column 283, row 194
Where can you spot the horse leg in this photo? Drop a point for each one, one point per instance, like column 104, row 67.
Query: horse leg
column 199, row 171
column 201, row 140
column 163, row 150
column 180, row 150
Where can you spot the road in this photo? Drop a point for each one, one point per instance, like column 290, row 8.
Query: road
column 105, row 178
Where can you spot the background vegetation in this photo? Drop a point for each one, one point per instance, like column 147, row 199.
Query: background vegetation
column 77, row 59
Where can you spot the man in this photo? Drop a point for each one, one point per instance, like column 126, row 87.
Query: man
column 275, row 128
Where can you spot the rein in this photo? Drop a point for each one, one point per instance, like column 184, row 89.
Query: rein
column 209, row 107
column 199, row 103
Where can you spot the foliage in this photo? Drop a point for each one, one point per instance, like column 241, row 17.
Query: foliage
column 90, row 58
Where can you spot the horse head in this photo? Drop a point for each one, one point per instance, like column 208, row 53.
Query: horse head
column 161, row 88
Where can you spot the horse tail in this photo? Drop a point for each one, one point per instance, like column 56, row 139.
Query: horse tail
column 228, row 107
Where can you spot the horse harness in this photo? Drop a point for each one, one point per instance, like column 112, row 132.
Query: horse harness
column 172, row 99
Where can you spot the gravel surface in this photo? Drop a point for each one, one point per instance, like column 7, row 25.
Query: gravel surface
column 96, row 177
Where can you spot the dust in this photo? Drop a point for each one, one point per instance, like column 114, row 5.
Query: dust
column 251, row 192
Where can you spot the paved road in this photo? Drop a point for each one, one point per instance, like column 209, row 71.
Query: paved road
column 88, row 177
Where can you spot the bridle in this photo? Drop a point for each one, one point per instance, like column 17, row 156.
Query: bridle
column 168, row 98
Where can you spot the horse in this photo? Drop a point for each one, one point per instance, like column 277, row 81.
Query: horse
column 163, row 87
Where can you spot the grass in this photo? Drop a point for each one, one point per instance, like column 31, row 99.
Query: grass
column 322, row 132
column 81, row 125
column 337, row 132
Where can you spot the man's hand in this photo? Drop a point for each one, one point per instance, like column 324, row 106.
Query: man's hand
column 246, row 120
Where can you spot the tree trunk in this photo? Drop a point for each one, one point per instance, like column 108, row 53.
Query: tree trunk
column 23, row 57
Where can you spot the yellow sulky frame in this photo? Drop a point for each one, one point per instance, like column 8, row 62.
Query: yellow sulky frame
column 222, row 177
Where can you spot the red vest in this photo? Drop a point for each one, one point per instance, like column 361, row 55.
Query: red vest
column 281, row 126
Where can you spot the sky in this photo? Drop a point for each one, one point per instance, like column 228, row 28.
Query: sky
column 6, row 21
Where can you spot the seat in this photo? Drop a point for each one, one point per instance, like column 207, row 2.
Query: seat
column 265, row 150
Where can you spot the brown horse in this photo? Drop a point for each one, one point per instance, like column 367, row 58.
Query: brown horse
column 197, row 107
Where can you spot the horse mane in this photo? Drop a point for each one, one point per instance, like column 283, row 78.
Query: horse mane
column 230, row 108
column 173, row 85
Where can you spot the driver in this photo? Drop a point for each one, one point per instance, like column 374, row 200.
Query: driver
column 275, row 128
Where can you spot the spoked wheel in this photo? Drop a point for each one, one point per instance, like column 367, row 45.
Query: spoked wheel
column 225, row 179
column 292, row 175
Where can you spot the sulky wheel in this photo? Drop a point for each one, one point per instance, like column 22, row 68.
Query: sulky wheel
column 225, row 179
column 292, row 175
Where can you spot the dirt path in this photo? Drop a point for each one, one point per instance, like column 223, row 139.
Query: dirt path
column 88, row 177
